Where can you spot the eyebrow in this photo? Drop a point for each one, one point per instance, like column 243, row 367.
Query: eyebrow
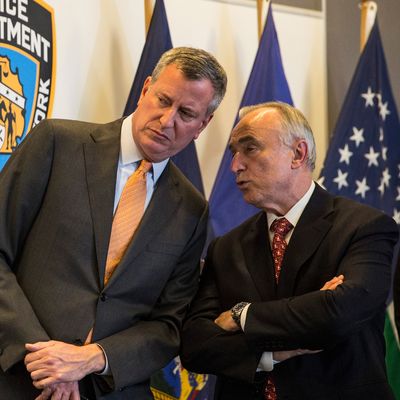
column 249, row 138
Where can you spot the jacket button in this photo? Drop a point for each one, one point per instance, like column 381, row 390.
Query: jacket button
column 103, row 297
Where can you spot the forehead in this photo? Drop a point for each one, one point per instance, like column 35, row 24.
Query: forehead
column 172, row 81
column 258, row 125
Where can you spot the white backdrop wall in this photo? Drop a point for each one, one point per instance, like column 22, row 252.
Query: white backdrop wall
column 99, row 43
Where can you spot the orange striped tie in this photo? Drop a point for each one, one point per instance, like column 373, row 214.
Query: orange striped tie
column 127, row 217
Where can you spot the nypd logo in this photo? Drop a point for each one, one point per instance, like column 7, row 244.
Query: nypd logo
column 27, row 64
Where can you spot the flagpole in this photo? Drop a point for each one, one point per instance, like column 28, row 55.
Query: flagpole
column 261, row 17
column 368, row 15
column 148, row 12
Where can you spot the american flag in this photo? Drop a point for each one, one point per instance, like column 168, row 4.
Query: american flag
column 363, row 161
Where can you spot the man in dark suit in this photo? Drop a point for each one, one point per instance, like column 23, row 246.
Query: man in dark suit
column 271, row 333
column 64, row 332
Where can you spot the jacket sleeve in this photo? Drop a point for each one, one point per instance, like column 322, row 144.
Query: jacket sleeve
column 207, row 348
column 22, row 186
column 321, row 318
column 135, row 353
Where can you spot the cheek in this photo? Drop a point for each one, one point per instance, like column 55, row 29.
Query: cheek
column 186, row 133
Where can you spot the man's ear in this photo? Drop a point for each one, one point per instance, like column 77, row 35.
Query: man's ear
column 300, row 154
column 145, row 88
column 203, row 124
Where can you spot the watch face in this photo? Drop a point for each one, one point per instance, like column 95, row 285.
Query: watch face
column 236, row 311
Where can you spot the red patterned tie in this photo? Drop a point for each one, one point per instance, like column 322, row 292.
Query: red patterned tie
column 281, row 228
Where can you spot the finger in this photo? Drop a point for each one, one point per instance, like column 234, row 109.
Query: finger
column 35, row 365
column 57, row 395
column 333, row 283
column 45, row 395
column 43, row 383
column 39, row 375
column 66, row 396
column 75, row 394
column 38, row 345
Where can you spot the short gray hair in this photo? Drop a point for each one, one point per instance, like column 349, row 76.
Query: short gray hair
column 294, row 126
column 196, row 64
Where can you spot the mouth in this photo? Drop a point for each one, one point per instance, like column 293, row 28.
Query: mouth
column 158, row 135
column 242, row 185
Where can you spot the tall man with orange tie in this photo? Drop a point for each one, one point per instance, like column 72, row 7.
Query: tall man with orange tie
column 260, row 320
column 98, row 262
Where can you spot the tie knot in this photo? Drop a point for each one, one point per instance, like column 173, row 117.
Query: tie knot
column 144, row 167
column 281, row 226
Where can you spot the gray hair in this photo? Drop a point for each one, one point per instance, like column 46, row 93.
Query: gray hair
column 196, row 64
column 294, row 126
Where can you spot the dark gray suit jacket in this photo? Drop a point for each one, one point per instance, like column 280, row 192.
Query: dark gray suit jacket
column 56, row 208
column 333, row 236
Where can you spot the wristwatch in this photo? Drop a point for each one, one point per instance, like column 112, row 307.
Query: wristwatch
column 236, row 311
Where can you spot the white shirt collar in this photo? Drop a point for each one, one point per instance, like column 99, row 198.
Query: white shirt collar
column 294, row 214
column 130, row 153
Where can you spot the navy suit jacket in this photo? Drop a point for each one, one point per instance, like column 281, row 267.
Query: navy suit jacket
column 333, row 236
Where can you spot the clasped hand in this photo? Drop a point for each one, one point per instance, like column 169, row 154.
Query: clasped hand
column 56, row 367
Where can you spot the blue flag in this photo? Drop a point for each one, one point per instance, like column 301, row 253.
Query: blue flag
column 172, row 382
column 267, row 82
column 363, row 160
column 158, row 41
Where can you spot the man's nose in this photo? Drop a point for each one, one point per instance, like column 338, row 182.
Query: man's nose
column 237, row 163
column 167, row 118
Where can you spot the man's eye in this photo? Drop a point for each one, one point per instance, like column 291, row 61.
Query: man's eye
column 186, row 115
column 162, row 101
column 250, row 149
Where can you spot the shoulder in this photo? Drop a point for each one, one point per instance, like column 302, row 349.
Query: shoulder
column 351, row 210
column 185, row 187
column 73, row 129
column 349, row 216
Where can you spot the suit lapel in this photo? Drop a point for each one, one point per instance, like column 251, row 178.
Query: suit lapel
column 101, row 159
column 258, row 258
column 307, row 236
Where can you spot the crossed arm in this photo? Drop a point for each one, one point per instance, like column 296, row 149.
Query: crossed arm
column 226, row 322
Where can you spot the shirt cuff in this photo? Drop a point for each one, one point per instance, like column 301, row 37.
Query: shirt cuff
column 243, row 316
column 266, row 362
column 106, row 370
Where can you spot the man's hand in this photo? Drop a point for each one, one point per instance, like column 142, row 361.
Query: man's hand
column 225, row 321
column 60, row 391
column 333, row 283
column 54, row 362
